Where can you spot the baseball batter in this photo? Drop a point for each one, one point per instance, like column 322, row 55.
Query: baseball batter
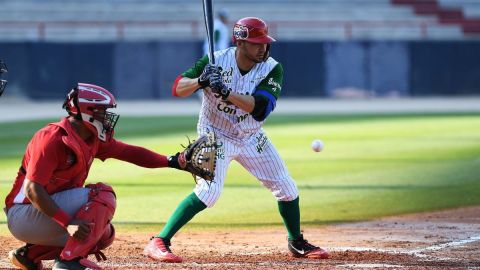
column 48, row 207
column 239, row 94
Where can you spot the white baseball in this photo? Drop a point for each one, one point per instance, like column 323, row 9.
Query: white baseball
column 317, row 145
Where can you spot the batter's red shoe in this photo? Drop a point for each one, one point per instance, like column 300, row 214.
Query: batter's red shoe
column 300, row 248
column 18, row 257
column 159, row 249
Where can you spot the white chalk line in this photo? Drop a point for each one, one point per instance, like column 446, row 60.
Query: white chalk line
column 420, row 252
column 369, row 265
column 201, row 265
column 456, row 243
column 416, row 252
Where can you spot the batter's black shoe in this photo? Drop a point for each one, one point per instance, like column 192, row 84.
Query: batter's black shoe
column 18, row 257
column 76, row 264
column 300, row 248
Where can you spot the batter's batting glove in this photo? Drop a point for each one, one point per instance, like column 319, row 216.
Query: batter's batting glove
column 204, row 79
column 218, row 87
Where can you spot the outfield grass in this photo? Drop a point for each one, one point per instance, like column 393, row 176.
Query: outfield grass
column 371, row 166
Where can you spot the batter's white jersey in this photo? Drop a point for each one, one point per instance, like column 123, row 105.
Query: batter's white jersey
column 227, row 118
column 239, row 135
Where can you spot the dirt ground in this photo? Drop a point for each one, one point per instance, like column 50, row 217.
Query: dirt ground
column 447, row 239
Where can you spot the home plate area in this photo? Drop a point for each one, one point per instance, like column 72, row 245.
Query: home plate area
column 448, row 239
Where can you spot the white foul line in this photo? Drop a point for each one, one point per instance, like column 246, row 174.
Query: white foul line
column 416, row 252
column 456, row 243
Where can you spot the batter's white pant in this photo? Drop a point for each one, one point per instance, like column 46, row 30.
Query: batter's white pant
column 29, row 225
column 258, row 156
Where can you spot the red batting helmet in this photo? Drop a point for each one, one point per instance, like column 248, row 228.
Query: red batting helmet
column 251, row 29
column 89, row 103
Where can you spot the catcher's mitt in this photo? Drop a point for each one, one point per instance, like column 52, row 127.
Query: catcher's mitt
column 198, row 158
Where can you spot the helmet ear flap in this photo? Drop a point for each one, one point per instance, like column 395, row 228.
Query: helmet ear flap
column 267, row 53
column 71, row 104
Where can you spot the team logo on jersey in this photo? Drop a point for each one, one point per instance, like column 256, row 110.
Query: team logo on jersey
column 223, row 107
column 220, row 151
column 242, row 118
column 227, row 75
column 240, row 32
column 276, row 85
column 261, row 142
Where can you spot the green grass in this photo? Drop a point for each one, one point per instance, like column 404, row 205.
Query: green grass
column 372, row 166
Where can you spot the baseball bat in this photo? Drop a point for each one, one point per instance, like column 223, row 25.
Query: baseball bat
column 208, row 17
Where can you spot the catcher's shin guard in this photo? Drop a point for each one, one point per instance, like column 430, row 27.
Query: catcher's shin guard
column 99, row 211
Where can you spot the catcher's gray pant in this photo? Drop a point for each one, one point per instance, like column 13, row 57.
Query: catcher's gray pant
column 256, row 154
column 29, row 225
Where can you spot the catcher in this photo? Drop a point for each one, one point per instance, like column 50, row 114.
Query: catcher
column 50, row 209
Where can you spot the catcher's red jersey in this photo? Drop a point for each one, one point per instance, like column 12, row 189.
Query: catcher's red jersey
column 58, row 159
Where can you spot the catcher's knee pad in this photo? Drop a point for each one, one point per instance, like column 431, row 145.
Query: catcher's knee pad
column 99, row 211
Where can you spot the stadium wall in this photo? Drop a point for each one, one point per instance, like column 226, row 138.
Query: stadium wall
column 146, row 70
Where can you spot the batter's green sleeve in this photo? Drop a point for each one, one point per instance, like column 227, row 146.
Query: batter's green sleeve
column 273, row 82
column 196, row 70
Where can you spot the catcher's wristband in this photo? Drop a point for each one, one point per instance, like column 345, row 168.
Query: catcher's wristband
column 173, row 161
column 62, row 218
column 177, row 161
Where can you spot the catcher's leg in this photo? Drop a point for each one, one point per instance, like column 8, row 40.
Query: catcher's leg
column 45, row 237
column 99, row 211
column 29, row 225
column 262, row 160
column 29, row 257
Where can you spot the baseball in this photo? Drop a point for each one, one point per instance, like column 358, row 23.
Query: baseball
column 317, row 145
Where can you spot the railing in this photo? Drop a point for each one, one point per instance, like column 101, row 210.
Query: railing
column 195, row 29
column 350, row 26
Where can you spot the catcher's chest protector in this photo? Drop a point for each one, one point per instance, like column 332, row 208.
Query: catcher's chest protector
column 98, row 210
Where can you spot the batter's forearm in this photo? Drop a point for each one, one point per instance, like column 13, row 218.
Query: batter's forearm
column 186, row 87
column 244, row 102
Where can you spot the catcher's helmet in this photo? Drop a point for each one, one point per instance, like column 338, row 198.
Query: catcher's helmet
column 3, row 83
column 251, row 29
column 89, row 103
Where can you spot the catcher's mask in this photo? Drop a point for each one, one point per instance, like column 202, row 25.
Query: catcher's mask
column 89, row 103
column 3, row 83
